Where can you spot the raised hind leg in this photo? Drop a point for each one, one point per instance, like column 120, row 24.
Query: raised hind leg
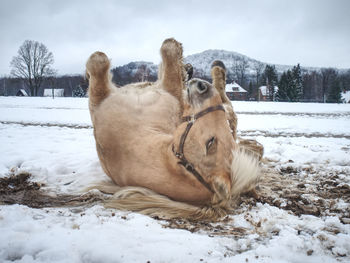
column 253, row 146
column 97, row 71
column 171, row 71
column 218, row 74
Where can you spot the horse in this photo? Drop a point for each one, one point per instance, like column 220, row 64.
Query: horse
column 167, row 145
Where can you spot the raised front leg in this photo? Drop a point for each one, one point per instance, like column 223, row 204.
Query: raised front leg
column 218, row 74
column 171, row 71
column 97, row 71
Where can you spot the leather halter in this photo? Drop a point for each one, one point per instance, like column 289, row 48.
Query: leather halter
column 180, row 154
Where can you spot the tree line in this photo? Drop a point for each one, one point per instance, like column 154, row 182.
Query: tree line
column 31, row 69
column 293, row 85
column 72, row 85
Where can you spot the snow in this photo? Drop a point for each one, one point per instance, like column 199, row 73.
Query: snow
column 287, row 107
column 95, row 236
column 202, row 61
column 346, row 96
column 45, row 110
column 53, row 140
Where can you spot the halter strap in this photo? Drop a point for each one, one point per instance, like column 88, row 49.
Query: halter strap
column 180, row 154
column 202, row 113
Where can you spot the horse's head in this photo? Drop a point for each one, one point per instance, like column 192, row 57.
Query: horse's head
column 204, row 143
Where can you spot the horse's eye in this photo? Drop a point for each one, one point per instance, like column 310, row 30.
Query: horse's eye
column 210, row 143
column 202, row 88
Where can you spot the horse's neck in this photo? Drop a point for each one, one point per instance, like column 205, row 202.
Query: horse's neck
column 182, row 184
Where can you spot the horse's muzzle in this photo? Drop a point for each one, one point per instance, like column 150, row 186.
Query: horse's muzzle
column 222, row 187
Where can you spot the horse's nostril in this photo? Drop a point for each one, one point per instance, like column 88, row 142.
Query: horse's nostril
column 201, row 87
column 222, row 188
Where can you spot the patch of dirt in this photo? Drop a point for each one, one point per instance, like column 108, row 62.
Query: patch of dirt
column 301, row 191
column 221, row 228
column 293, row 189
column 17, row 189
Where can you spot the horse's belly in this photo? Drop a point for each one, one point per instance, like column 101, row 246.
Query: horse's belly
column 127, row 125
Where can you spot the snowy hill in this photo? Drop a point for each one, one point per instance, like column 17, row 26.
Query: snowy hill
column 134, row 72
column 202, row 62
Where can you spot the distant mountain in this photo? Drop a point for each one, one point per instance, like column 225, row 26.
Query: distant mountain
column 201, row 63
column 135, row 72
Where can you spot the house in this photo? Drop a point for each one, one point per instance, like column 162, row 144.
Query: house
column 235, row 92
column 54, row 93
column 264, row 94
column 22, row 93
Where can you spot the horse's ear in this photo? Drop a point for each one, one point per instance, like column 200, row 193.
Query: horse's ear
column 189, row 70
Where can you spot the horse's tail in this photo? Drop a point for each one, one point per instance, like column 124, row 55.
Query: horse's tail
column 244, row 175
column 148, row 202
column 97, row 72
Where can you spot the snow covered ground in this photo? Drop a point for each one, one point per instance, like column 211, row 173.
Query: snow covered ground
column 305, row 144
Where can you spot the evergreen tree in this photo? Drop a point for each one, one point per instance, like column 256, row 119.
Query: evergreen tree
column 298, row 83
column 312, row 85
column 78, row 92
column 290, row 87
column 328, row 77
column 250, row 89
column 283, row 85
column 270, row 79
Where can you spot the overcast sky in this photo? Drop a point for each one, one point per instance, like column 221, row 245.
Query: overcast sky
column 313, row 32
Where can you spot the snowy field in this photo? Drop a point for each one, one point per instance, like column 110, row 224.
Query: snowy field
column 301, row 216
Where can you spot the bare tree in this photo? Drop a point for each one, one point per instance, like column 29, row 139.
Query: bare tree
column 240, row 70
column 258, row 68
column 328, row 74
column 33, row 64
column 2, row 86
column 142, row 73
column 52, row 81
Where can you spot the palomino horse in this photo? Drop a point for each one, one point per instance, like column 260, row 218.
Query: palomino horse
column 167, row 145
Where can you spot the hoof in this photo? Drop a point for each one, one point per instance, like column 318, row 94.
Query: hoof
column 171, row 49
column 218, row 63
column 97, row 64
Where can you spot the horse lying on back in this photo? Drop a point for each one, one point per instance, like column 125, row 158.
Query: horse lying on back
column 167, row 145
